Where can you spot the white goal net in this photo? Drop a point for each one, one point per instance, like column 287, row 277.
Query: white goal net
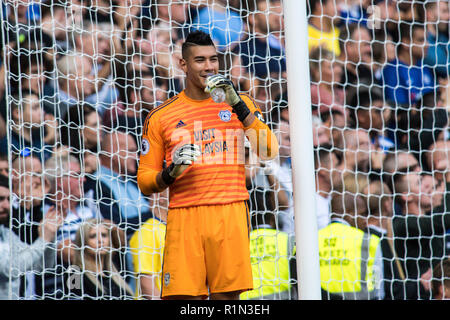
column 79, row 77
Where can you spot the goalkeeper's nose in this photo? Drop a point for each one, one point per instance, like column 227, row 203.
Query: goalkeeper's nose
column 210, row 67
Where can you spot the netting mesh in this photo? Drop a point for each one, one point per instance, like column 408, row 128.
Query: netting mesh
column 80, row 77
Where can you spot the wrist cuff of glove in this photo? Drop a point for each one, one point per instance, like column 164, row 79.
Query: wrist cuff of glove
column 241, row 110
column 165, row 175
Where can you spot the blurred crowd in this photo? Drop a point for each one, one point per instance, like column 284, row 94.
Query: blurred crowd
column 379, row 93
column 81, row 77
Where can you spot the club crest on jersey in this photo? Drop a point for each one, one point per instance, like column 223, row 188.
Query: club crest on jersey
column 166, row 279
column 145, row 147
column 225, row 115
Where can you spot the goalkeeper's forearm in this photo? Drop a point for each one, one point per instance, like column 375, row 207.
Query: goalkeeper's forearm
column 153, row 181
column 261, row 138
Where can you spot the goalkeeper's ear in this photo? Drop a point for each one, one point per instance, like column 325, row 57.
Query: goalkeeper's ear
column 183, row 65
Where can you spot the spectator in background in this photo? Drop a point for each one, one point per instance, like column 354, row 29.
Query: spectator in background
column 354, row 12
column 283, row 173
column 159, row 53
column 17, row 256
column 440, row 283
column 96, row 43
column 175, row 15
column 437, row 162
column 411, row 87
column 100, row 279
column 368, row 112
column 129, row 113
column 350, row 259
column 56, row 19
column 266, row 192
column 335, row 121
column 30, row 67
column 431, row 193
column 280, row 111
column 81, row 130
column 29, row 131
column 275, row 20
column 147, row 248
column 407, row 81
column 437, row 22
column 399, row 160
column 324, row 94
column 356, row 156
column 437, row 159
column 101, row 11
column 223, row 24
column 66, row 192
column 260, row 54
column 418, row 129
column 157, row 50
column 4, row 165
column 409, row 10
column 383, row 51
column 326, row 162
column 2, row 123
column 320, row 134
column 273, row 259
column 322, row 29
column 379, row 223
column 239, row 74
column 29, row 188
column 115, row 185
column 356, row 54
column 419, row 237
column 74, row 82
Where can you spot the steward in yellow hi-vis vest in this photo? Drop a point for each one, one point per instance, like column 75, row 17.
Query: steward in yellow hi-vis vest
column 350, row 262
column 272, row 255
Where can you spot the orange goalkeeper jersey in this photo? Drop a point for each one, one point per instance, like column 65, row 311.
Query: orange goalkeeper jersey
column 218, row 177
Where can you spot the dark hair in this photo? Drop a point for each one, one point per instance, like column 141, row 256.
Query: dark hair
column 17, row 99
column 72, row 122
column 377, row 195
column 347, row 31
column 4, row 181
column 407, row 30
column 312, row 5
column 277, row 110
column 440, row 276
column 362, row 98
column 365, row 97
column 47, row 7
column 28, row 55
column 196, row 38
column 322, row 154
column 349, row 203
column 261, row 207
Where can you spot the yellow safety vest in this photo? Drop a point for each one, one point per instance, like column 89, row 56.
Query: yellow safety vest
column 270, row 252
column 347, row 257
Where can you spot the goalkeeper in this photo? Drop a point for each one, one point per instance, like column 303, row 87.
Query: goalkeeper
column 207, row 241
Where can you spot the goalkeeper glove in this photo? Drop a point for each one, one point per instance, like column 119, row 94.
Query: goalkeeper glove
column 182, row 158
column 232, row 96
